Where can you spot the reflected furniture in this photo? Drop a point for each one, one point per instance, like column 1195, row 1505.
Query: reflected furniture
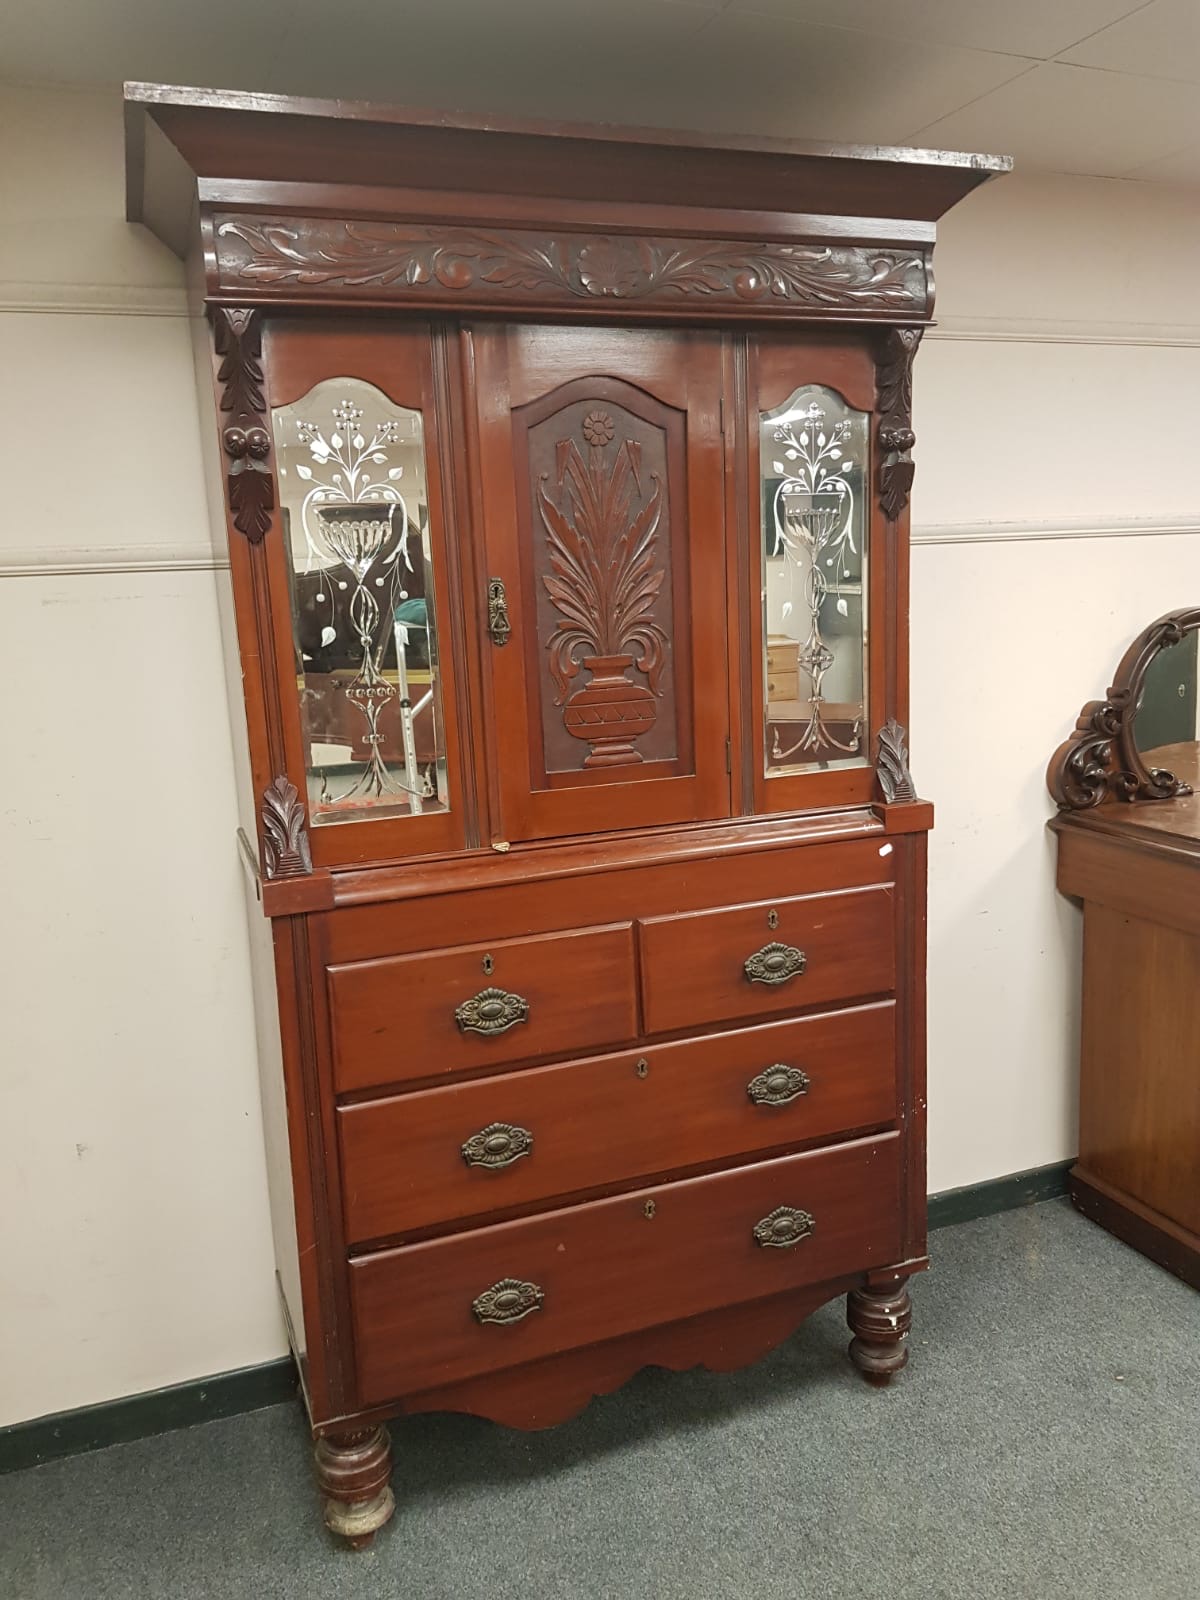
column 1128, row 832
column 564, row 552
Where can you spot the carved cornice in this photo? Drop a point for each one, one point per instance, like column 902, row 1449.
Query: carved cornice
column 285, row 833
column 894, row 433
column 340, row 259
column 1101, row 757
column 891, row 764
column 246, row 439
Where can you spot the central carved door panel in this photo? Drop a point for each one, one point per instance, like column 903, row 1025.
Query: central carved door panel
column 601, row 496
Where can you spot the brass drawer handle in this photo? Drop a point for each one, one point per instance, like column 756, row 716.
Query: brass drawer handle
column 777, row 1086
column 497, row 1145
column 491, row 1011
column 507, row 1301
column 784, row 1227
column 775, row 963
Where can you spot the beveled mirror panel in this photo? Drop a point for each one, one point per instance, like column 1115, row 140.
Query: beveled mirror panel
column 352, row 486
column 813, row 465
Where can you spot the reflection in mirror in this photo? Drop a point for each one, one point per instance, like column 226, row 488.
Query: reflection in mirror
column 353, row 494
column 813, row 454
column 1167, row 711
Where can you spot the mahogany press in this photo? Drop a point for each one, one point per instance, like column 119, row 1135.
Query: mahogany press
column 561, row 482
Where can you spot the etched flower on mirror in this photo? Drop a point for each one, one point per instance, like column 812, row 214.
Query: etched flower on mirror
column 353, row 494
column 813, row 454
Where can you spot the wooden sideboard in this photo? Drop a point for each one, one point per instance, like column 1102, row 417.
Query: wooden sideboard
column 566, row 604
column 1128, row 833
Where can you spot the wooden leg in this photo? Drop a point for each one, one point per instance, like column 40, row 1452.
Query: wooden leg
column 353, row 1470
column 880, row 1320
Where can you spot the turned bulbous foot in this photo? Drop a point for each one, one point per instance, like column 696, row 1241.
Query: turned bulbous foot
column 353, row 1473
column 879, row 1320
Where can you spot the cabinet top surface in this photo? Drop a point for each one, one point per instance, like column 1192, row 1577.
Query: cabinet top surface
column 228, row 137
column 1173, row 824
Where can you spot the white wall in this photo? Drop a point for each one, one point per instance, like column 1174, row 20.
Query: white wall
column 135, row 1246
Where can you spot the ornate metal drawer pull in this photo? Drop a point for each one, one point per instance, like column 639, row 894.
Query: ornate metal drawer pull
column 784, row 1227
column 507, row 1301
column 499, row 627
column 497, row 1145
column 777, row 1085
column 491, row 1011
column 775, row 963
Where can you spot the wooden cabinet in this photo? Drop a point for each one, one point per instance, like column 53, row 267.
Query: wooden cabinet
column 566, row 592
column 1128, row 831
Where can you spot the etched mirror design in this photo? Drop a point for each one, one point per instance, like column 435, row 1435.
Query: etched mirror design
column 352, row 487
column 813, row 455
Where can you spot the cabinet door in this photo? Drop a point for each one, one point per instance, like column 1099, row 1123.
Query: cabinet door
column 369, row 580
column 819, row 563
column 601, row 498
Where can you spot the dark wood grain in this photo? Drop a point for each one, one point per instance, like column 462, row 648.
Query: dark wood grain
column 394, row 1019
column 614, row 1265
column 694, row 965
column 613, row 1118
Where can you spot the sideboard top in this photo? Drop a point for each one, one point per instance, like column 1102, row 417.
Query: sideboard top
column 242, row 147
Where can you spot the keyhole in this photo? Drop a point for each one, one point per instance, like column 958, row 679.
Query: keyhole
column 642, row 1068
column 772, row 918
column 488, row 966
column 649, row 1208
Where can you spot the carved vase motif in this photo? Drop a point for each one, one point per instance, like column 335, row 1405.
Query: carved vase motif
column 605, row 582
column 610, row 712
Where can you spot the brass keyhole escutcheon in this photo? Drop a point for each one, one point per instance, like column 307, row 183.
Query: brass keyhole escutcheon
column 772, row 918
column 643, row 1068
column 489, row 966
column 649, row 1208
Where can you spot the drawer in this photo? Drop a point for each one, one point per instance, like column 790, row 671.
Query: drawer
column 433, row 1313
column 783, row 686
column 437, row 1155
column 409, row 1017
column 783, row 655
column 779, row 955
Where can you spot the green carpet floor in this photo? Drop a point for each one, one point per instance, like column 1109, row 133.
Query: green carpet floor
column 1044, row 1442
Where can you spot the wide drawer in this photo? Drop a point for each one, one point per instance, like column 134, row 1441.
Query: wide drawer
column 778, row 955
column 408, row 1017
column 433, row 1313
column 440, row 1154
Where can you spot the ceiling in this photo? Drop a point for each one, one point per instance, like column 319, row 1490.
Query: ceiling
column 1103, row 87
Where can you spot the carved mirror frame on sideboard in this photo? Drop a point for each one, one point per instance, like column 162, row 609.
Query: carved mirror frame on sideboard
column 560, row 482
column 1128, row 831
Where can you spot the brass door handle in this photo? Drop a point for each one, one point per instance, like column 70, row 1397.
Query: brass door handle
column 778, row 1085
column 775, row 963
column 491, row 1011
column 783, row 1228
column 497, row 1145
column 507, row 1301
column 499, row 627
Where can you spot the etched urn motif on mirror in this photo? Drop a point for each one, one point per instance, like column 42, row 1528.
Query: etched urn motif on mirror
column 605, row 584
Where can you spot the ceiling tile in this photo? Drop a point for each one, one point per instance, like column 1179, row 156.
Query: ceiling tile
column 1070, row 119
column 754, row 74
column 1017, row 27
column 1161, row 40
column 1182, row 166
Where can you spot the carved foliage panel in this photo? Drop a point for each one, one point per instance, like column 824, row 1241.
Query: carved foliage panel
column 601, row 530
column 336, row 258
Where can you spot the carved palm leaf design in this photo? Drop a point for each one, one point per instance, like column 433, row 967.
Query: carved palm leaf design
column 603, row 578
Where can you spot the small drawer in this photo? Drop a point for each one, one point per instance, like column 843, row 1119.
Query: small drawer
column 431, row 1314
column 783, row 686
column 747, row 961
column 407, row 1017
column 437, row 1155
column 783, row 655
